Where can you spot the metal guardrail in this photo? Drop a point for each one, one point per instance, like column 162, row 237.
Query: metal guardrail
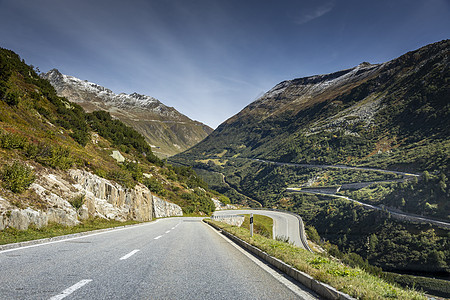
column 301, row 225
column 225, row 216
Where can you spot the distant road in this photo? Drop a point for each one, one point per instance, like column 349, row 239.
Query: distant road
column 395, row 213
column 174, row 258
column 284, row 224
column 404, row 174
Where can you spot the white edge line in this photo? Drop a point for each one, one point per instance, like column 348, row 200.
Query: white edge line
column 76, row 238
column 71, row 289
column 292, row 286
column 129, row 254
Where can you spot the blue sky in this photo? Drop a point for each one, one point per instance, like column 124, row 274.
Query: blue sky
column 211, row 58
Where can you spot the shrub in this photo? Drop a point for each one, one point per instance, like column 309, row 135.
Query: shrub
column 17, row 177
column 12, row 98
column 55, row 157
column 154, row 185
column 134, row 168
column 122, row 177
column 78, row 201
column 12, row 141
column 312, row 234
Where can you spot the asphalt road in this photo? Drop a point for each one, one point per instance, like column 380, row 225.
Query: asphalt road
column 284, row 224
column 175, row 258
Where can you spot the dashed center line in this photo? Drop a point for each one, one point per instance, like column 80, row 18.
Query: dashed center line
column 71, row 289
column 159, row 236
column 129, row 254
column 167, row 231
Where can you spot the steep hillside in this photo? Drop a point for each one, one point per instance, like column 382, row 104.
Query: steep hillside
column 391, row 116
column 60, row 164
column 372, row 114
column 168, row 131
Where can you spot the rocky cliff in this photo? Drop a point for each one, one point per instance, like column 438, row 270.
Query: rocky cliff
column 167, row 130
column 102, row 198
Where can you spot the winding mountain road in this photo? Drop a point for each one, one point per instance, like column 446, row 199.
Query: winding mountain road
column 284, row 224
column 395, row 213
column 404, row 174
column 173, row 258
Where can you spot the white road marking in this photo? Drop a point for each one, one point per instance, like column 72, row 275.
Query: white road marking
column 167, row 231
column 293, row 287
column 173, row 228
column 159, row 236
column 70, row 290
column 129, row 254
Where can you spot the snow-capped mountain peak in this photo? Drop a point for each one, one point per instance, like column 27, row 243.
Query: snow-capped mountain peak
column 162, row 126
column 133, row 100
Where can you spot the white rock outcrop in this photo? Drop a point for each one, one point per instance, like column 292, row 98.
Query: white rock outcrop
column 220, row 205
column 163, row 208
column 102, row 198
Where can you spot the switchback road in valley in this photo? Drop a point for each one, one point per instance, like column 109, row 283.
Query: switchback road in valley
column 284, row 224
column 173, row 258
column 404, row 174
column 394, row 212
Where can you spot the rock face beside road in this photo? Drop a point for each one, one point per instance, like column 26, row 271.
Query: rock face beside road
column 102, row 198
column 221, row 206
column 163, row 208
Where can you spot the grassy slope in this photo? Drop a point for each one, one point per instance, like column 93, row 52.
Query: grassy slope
column 353, row 281
column 262, row 225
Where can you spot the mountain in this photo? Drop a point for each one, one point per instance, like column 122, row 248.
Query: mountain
column 59, row 164
column 392, row 116
column 168, row 131
column 354, row 116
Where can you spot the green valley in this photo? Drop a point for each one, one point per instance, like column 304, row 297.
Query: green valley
column 392, row 116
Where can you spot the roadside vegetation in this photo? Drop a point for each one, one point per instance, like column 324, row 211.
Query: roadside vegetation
column 354, row 281
column 262, row 225
column 12, row 235
column 17, row 176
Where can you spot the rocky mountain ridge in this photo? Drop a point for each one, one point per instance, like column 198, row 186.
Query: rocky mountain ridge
column 393, row 104
column 392, row 116
column 168, row 131
column 298, row 93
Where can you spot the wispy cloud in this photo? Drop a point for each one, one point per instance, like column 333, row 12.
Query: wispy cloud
column 308, row 16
